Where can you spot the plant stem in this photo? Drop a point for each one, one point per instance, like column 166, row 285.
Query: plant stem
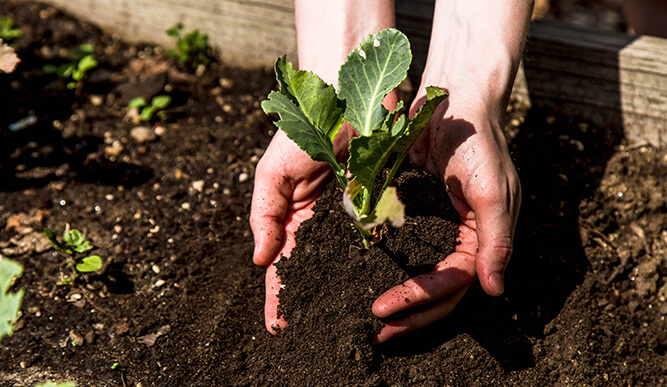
column 392, row 172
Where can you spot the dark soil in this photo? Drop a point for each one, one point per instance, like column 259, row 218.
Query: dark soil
column 179, row 302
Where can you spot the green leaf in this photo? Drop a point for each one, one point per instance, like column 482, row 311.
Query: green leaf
column 53, row 384
column 175, row 30
column 10, row 303
column 312, row 95
column 371, row 71
column 161, row 101
column 73, row 238
column 368, row 156
column 137, row 103
column 51, row 236
column 147, row 113
column 50, row 69
column 388, row 208
column 82, row 247
column 310, row 114
column 86, row 63
column 88, row 264
column 434, row 96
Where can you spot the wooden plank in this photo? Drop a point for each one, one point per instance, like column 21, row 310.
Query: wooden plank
column 249, row 33
column 612, row 80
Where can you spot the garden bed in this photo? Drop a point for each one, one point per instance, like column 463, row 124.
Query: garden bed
column 179, row 302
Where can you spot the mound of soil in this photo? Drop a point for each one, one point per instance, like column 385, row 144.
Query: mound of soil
column 179, row 303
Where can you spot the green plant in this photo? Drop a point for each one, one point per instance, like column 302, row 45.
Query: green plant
column 158, row 104
column 192, row 49
column 81, row 61
column 7, row 32
column 73, row 244
column 10, row 303
column 312, row 112
column 54, row 384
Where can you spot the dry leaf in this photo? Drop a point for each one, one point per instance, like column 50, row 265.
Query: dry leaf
column 8, row 59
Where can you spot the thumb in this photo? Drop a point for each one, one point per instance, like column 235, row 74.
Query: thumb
column 267, row 216
column 495, row 229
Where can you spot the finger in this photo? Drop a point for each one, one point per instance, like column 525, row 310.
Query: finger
column 274, row 324
column 455, row 272
column 267, row 215
column 495, row 220
column 421, row 319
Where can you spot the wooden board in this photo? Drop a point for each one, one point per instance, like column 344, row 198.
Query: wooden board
column 611, row 80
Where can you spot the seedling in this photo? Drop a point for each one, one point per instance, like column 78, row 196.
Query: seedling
column 73, row 244
column 312, row 112
column 192, row 49
column 158, row 104
column 54, row 384
column 10, row 303
column 7, row 32
column 81, row 61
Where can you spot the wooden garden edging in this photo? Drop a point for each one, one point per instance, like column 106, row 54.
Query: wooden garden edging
column 612, row 80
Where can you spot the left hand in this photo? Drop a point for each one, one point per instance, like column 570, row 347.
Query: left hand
column 464, row 146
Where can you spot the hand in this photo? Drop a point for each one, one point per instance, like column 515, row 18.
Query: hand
column 467, row 149
column 287, row 183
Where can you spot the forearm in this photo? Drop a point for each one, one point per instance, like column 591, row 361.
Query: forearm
column 475, row 50
column 328, row 30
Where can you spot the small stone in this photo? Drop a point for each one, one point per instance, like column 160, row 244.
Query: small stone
column 158, row 283
column 243, row 177
column 226, row 83
column 156, row 269
column 159, row 130
column 96, row 100
column 142, row 134
column 118, row 228
column 185, row 206
column 115, row 149
column 77, row 339
column 198, row 185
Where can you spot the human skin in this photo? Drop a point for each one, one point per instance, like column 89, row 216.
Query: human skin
column 474, row 53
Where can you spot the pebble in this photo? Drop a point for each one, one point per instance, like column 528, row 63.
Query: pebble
column 198, row 185
column 159, row 130
column 185, row 206
column 115, row 149
column 243, row 177
column 96, row 100
column 142, row 134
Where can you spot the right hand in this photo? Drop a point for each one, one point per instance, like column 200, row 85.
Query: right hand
column 287, row 183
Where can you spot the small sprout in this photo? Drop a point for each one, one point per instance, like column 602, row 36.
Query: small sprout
column 114, row 365
column 81, row 61
column 192, row 49
column 74, row 243
column 54, row 384
column 10, row 303
column 158, row 104
column 7, row 32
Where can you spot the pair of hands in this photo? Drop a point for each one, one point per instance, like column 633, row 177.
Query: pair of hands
column 463, row 145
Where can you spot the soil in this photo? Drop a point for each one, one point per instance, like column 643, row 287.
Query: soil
column 179, row 303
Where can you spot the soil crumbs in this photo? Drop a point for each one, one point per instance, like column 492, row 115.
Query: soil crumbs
column 179, row 303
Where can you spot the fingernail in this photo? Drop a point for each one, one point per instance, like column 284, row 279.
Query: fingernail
column 496, row 282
